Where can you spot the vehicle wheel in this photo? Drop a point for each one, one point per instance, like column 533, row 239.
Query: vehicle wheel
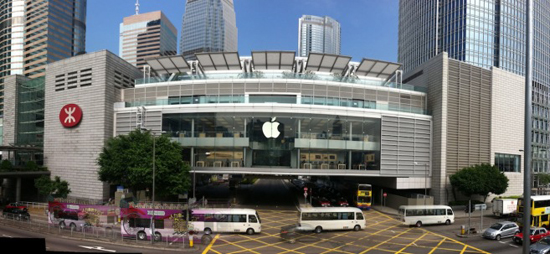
column 250, row 231
column 357, row 228
column 418, row 224
column 318, row 230
column 141, row 235
column 158, row 237
column 207, row 231
column 62, row 225
column 448, row 222
column 498, row 238
column 73, row 227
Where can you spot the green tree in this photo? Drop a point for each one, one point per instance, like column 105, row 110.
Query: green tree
column 481, row 180
column 6, row 166
column 544, row 179
column 127, row 160
column 56, row 188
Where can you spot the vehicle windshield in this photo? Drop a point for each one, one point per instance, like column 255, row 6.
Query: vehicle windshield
column 496, row 226
column 363, row 199
column 365, row 187
column 545, row 241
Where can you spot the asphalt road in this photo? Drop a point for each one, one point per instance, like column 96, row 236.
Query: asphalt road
column 266, row 193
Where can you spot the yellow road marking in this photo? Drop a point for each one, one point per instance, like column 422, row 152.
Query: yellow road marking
column 465, row 246
column 439, row 244
column 375, row 246
column 210, row 245
column 266, row 245
column 411, row 243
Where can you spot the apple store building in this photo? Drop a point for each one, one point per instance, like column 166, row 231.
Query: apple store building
column 277, row 114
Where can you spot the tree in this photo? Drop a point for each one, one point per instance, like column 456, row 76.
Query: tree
column 127, row 160
column 6, row 166
column 56, row 188
column 481, row 180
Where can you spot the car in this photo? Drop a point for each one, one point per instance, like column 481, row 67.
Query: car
column 16, row 205
column 292, row 232
column 16, row 212
column 500, row 230
column 541, row 247
column 340, row 202
column 323, row 202
column 536, row 235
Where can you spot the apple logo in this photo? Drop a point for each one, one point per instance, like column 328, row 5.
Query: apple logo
column 270, row 129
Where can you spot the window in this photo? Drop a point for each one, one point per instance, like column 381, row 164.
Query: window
column 508, row 162
column 252, row 219
column 359, row 216
column 449, row 212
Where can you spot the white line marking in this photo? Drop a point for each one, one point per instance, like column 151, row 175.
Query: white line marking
column 502, row 242
column 96, row 248
column 513, row 245
column 7, row 236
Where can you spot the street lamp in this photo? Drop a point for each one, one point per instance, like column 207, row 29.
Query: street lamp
column 153, row 194
column 425, row 180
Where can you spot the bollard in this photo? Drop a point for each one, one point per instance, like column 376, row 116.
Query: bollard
column 462, row 230
column 191, row 238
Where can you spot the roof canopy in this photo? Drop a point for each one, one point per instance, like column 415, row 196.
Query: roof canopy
column 375, row 68
column 327, row 63
column 219, row 61
column 169, row 64
column 273, row 60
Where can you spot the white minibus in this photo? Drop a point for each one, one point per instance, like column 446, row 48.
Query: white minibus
column 331, row 218
column 419, row 215
column 226, row 220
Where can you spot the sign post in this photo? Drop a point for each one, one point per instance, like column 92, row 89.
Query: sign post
column 481, row 207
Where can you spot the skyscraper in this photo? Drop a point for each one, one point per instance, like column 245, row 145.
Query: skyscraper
column 146, row 35
column 487, row 34
column 35, row 33
column 208, row 26
column 319, row 35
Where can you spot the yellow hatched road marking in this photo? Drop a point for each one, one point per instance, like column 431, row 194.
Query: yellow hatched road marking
column 408, row 245
column 242, row 248
column 266, row 245
column 463, row 250
column 210, row 245
column 375, row 246
column 439, row 244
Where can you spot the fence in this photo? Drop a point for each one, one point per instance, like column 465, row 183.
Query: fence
column 110, row 234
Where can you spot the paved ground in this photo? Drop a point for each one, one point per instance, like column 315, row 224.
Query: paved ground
column 384, row 235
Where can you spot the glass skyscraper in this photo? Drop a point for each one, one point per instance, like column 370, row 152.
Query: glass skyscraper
column 319, row 35
column 484, row 33
column 147, row 35
column 208, row 26
column 35, row 33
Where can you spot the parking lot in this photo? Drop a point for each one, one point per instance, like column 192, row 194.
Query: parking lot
column 383, row 235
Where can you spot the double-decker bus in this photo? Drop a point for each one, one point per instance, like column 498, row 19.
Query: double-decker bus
column 137, row 222
column 540, row 210
column 364, row 196
column 76, row 216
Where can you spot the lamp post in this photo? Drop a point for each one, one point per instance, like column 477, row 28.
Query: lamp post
column 425, row 180
column 153, row 194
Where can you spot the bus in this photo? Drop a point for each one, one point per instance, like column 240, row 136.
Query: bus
column 226, row 220
column 76, row 216
column 137, row 222
column 419, row 215
column 540, row 206
column 331, row 218
column 364, row 196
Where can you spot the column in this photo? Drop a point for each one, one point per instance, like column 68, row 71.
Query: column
column 18, row 190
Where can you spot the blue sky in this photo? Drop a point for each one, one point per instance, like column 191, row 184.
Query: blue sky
column 369, row 27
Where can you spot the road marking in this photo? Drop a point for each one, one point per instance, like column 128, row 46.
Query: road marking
column 7, row 236
column 513, row 245
column 432, row 251
column 211, row 243
column 376, row 246
column 502, row 242
column 413, row 242
column 96, row 248
column 463, row 250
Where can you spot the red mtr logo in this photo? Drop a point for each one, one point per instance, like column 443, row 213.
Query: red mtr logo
column 70, row 115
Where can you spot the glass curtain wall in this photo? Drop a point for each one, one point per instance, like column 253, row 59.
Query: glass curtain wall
column 277, row 140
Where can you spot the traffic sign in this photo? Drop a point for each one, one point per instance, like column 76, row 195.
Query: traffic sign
column 305, row 188
column 385, row 194
column 481, row 207
column 305, row 194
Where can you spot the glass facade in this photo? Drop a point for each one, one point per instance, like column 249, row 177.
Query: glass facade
column 319, row 35
column 283, row 140
column 484, row 33
column 508, row 162
column 30, row 117
column 208, row 26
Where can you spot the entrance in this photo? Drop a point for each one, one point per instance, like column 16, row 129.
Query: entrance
column 271, row 158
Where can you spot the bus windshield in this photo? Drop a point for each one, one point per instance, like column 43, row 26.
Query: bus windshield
column 366, row 187
column 364, row 199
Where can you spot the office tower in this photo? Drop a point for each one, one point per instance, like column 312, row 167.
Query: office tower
column 484, row 33
column 208, row 26
column 28, row 43
column 319, row 35
column 146, row 35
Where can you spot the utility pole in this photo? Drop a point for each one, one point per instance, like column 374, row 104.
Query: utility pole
column 527, row 127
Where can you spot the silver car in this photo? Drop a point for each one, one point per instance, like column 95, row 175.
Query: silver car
column 541, row 247
column 500, row 230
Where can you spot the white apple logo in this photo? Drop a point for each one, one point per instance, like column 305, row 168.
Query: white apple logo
column 270, row 128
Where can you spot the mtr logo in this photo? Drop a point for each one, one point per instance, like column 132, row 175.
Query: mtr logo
column 70, row 115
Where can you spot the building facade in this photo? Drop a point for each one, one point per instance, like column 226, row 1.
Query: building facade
column 318, row 35
column 477, row 118
column 28, row 41
column 485, row 33
column 208, row 26
column 147, row 35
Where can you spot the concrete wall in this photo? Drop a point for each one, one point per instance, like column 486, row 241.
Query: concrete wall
column 394, row 201
column 71, row 153
column 507, row 122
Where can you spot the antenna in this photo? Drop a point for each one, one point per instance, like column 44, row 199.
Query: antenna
column 137, row 7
